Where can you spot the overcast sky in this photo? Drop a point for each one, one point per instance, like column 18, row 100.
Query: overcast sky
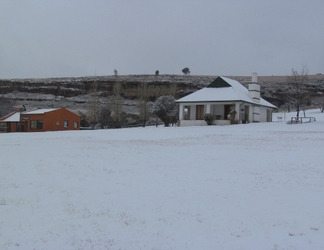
column 71, row 38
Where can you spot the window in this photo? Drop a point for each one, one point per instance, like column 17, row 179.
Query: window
column 8, row 126
column 39, row 124
column 76, row 125
column 66, row 124
column 187, row 113
column 17, row 127
column 199, row 112
column 2, row 126
column 32, row 124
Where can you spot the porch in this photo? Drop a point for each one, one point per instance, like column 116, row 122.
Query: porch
column 192, row 114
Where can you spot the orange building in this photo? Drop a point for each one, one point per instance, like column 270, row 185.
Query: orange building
column 10, row 123
column 39, row 120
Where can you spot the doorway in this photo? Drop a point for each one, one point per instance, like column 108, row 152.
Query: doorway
column 246, row 113
column 227, row 110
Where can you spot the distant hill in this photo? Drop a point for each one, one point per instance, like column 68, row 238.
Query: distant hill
column 74, row 92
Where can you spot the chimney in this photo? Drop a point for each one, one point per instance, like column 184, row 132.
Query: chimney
column 254, row 77
column 254, row 88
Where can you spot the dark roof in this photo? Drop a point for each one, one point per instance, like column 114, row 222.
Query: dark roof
column 219, row 83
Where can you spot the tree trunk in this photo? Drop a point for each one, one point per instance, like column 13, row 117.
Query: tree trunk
column 297, row 112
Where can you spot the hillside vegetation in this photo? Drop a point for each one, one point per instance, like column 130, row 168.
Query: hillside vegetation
column 75, row 93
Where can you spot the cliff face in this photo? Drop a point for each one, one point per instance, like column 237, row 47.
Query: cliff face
column 71, row 87
column 74, row 93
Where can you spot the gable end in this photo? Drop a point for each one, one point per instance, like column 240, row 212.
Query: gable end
column 219, row 83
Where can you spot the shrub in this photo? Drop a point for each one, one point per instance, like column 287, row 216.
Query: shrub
column 166, row 109
column 209, row 118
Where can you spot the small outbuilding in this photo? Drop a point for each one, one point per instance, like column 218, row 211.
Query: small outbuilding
column 10, row 123
column 228, row 101
column 40, row 120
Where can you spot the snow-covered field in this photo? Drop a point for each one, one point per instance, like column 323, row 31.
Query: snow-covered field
column 249, row 186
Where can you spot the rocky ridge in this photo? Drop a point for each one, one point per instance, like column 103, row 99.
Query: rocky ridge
column 74, row 92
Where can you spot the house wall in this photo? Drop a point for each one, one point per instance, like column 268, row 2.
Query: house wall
column 263, row 114
column 256, row 113
column 9, row 127
column 214, row 109
column 52, row 121
column 218, row 109
column 192, row 123
column 192, row 112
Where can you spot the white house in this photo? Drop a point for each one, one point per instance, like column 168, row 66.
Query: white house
column 219, row 97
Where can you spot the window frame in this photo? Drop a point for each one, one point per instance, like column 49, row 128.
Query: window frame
column 33, row 124
column 2, row 127
column 39, row 124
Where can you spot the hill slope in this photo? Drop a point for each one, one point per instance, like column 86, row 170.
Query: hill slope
column 74, row 93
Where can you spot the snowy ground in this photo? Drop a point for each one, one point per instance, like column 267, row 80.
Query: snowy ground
column 249, row 186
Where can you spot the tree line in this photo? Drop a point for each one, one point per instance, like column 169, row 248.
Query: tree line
column 163, row 110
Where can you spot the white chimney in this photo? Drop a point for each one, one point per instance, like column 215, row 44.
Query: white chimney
column 254, row 88
column 254, row 77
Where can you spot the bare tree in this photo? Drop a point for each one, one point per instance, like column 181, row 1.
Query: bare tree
column 143, row 99
column 105, row 117
column 93, row 106
column 297, row 94
column 173, row 89
column 117, row 108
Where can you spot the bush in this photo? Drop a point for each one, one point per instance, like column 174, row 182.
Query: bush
column 209, row 118
column 166, row 109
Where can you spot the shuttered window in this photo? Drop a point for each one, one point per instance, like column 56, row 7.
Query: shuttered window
column 199, row 112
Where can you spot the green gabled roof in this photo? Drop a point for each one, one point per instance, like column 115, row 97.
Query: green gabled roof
column 219, row 83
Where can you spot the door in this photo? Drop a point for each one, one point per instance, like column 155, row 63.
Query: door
column 24, row 126
column 227, row 110
column 246, row 113
column 199, row 112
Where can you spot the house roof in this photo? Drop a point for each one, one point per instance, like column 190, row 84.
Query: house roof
column 37, row 111
column 12, row 117
column 223, row 89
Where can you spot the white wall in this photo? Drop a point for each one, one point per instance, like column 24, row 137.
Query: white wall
column 256, row 113
column 218, row 109
column 192, row 123
column 263, row 114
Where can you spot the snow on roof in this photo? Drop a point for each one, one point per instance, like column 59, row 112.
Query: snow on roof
column 235, row 92
column 37, row 111
column 13, row 117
